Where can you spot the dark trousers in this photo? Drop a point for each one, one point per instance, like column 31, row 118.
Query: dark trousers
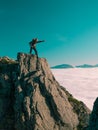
column 36, row 55
column 34, row 50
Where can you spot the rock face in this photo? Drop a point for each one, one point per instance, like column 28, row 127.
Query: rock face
column 93, row 123
column 31, row 98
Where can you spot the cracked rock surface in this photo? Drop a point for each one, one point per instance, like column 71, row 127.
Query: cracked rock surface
column 31, row 98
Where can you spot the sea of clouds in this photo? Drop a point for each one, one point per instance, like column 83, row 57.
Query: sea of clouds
column 82, row 83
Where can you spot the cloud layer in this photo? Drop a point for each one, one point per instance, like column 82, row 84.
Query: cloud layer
column 81, row 83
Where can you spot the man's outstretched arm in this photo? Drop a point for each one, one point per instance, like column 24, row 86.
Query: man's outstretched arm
column 41, row 41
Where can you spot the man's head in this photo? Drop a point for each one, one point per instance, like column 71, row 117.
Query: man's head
column 36, row 39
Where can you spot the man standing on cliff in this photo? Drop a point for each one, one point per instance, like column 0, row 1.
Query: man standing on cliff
column 33, row 45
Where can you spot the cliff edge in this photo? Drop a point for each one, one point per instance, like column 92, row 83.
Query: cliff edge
column 93, row 122
column 31, row 98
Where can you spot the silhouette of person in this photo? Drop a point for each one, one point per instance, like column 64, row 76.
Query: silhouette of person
column 33, row 45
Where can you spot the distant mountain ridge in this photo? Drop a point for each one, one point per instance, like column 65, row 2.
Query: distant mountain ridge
column 66, row 66
column 86, row 66
column 62, row 66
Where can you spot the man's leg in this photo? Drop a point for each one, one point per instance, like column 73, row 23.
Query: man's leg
column 30, row 50
column 35, row 52
column 37, row 63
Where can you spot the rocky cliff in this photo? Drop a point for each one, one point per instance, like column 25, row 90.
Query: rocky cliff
column 31, row 98
column 93, row 123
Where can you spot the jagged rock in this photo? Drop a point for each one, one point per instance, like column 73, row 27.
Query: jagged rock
column 93, row 123
column 81, row 110
column 34, row 100
column 7, row 93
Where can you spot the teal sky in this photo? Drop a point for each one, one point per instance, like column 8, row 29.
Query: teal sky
column 69, row 27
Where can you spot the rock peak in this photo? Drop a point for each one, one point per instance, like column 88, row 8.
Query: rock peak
column 29, row 63
column 36, row 100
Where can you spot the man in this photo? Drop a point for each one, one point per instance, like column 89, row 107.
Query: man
column 33, row 45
